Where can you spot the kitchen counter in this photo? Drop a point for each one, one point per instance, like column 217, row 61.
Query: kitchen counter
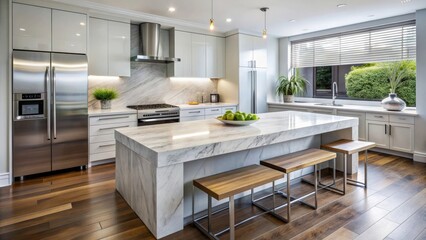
column 355, row 108
column 155, row 165
column 206, row 105
column 96, row 112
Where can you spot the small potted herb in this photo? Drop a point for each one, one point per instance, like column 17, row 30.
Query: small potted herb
column 105, row 95
column 288, row 87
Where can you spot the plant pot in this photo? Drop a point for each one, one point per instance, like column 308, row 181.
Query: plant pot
column 393, row 103
column 288, row 98
column 105, row 104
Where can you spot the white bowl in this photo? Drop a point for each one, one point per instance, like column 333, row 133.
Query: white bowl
column 237, row 123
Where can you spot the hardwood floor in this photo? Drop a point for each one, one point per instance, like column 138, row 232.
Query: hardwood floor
column 84, row 205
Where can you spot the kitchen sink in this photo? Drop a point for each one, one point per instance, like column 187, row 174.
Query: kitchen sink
column 329, row 104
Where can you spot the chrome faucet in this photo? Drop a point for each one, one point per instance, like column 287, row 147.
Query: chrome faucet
column 334, row 91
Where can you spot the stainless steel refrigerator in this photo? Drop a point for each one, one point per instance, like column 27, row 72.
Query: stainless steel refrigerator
column 253, row 90
column 50, row 125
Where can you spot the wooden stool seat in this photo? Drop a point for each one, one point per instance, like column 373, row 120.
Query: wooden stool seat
column 348, row 146
column 299, row 160
column 226, row 184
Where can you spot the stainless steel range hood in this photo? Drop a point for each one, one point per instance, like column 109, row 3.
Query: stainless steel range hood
column 150, row 38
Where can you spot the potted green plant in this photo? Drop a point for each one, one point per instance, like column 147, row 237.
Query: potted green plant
column 288, row 87
column 395, row 72
column 105, row 95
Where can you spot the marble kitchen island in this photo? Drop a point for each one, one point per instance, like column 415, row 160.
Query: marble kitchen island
column 155, row 165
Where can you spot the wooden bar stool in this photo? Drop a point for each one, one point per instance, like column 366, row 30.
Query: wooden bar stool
column 226, row 185
column 293, row 162
column 349, row 147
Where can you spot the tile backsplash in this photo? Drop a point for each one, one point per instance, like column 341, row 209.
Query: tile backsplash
column 149, row 84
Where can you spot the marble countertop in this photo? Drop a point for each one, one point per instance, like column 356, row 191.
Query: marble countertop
column 206, row 105
column 96, row 112
column 347, row 107
column 168, row 144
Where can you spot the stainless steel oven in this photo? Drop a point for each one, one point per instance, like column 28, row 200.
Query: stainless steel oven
column 156, row 114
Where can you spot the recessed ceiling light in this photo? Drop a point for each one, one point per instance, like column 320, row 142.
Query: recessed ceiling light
column 228, row 20
column 83, row 24
column 292, row 20
column 342, row 5
column 77, row 34
column 22, row 29
column 172, row 9
column 405, row 1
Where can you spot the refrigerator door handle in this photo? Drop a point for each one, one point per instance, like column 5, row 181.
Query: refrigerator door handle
column 254, row 89
column 47, row 80
column 54, row 101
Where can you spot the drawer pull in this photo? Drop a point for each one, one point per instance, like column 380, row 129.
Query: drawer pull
column 101, row 129
column 111, row 118
column 195, row 112
column 214, row 110
column 401, row 118
column 107, row 145
column 378, row 116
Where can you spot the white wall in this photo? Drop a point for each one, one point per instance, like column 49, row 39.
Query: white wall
column 4, row 91
column 420, row 133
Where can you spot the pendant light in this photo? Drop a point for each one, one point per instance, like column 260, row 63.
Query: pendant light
column 265, row 32
column 212, row 19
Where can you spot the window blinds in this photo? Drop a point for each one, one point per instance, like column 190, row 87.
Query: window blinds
column 389, row 43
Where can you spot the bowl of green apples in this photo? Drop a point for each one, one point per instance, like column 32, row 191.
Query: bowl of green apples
column 238, row 118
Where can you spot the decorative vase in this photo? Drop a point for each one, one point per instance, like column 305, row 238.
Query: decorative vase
column 393, row 103
column 289, row 98
column 106, row 104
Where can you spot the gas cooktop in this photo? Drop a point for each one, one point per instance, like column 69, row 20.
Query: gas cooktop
column 152, row 106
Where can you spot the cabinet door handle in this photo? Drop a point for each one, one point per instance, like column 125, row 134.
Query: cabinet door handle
column 378, row 116
column 386, row 127
column 214, row 110
column 110, row 118
column 109, row 128
column 107, row 145
column 390, row 130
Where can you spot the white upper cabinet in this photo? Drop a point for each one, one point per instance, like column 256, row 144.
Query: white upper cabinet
column 253, row 51
column 215, row 57
column 44, row 29
column 198, row 55
column 183, row 51
column 201, row 56
column 68, row 32
column 118, row 49
column 260, row 55
column 109, row 48
column 98, row 47
column 31, row 27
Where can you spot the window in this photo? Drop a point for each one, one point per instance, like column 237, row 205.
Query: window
column 356, row 60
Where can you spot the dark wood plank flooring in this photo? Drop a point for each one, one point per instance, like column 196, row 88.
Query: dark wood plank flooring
column 84, row 205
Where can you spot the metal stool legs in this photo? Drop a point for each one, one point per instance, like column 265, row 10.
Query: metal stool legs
column 358, row 183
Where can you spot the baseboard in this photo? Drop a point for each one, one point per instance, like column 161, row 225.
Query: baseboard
column 394, row 153
column 419, row 157
column 4, row 179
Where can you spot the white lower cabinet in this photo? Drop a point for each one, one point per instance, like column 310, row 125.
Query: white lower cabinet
column 101, row 134
column 361, row 122
column 391, row 132
column 204, row 113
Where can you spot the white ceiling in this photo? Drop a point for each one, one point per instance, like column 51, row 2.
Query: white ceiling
column 310, row 15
